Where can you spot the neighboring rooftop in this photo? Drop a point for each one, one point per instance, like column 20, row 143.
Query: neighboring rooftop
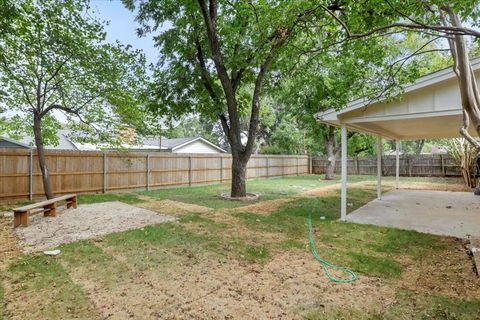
column 147, row 144
column 28, row 142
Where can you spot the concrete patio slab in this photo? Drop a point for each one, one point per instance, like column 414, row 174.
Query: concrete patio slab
column 437, row 212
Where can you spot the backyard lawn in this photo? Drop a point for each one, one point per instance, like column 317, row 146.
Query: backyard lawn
column 244, row 260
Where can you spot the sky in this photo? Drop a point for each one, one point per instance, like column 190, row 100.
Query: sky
column 122, row 27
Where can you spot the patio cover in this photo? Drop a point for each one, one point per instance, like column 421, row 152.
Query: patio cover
column 429, row 108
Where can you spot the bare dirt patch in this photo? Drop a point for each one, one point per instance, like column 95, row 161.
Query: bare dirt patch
column 322, row 191
column 85, row 222
column 264, row 207
column 8, row 241
column 271, row 206
column 285, row 288
column 435, row 186
column 171, row 207
column 436, row 277
column 331, row 189
column 199, row 287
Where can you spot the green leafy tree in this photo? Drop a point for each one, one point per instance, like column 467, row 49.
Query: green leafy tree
column 286, row 138
column 357, row 66
column 464, row 155
column 53, row 59
column 196, row 126
column 330, row 78
column 217, row 56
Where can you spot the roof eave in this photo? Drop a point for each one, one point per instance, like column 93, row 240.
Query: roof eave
column 196, row 139
column 16, row 142
column 424, row 81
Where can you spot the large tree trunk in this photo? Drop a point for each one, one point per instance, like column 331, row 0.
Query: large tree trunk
column 37, row 131
column 332, row 153
column 230, row 82
column 239, row 173
column 331, row 158
column 419, row 146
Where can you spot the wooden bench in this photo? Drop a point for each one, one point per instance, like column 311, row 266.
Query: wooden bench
column 48, row 207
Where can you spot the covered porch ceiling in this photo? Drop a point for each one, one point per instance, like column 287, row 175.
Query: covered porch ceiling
column 429, row 108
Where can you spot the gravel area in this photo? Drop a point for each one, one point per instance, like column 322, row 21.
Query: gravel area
column 86, row 222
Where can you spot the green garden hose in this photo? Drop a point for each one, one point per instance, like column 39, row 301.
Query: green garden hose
column 327, row 266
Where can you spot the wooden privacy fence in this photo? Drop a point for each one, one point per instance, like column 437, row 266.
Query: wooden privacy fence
column 91, row 171
column 436, row 165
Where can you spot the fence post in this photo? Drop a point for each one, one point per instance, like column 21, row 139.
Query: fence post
column 409, row 167
column 105, row 178
column 268, row 164
column 297, row 165
column 310, row 165
column 30, row 176
column 283, row 166
column 147, row 165
column 221, row 169
column 189, row 171
column 443, row 165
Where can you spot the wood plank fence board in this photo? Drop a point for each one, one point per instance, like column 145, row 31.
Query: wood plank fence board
column 410, row 165
column 93, row 171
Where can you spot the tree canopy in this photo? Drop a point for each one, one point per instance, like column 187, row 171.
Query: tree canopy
column 54, row 61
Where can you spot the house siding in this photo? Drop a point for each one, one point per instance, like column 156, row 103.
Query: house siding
column 197, row 147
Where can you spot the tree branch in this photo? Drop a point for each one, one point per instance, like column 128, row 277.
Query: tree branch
column 413, row 25
column 209, row 16
column 207, row 83
column 282, row 36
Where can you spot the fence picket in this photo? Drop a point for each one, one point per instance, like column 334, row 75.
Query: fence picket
column 410, row 165
column 93, row 171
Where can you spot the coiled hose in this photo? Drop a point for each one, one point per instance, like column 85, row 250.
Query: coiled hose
column 327, row 266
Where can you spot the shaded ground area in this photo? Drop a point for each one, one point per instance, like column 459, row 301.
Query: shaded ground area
column 437, row 212
column 86, row 222
column 252, row 262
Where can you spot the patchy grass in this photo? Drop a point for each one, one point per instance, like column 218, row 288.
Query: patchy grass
column 164, row 236
column 269, row 189
column 208, row 195
column 341, row 314
column 8, row 206
column 406, row 242
column 202, row 222
column 256, row 253
column 56, row 296
column 372, row 265
column 434, row 307
column 291, row 244
column 370, row 250
column 130, row 198
column 2, row 303
column 220, row 263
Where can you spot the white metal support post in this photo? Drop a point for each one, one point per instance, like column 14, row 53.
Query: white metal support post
column 379, row 167
column 397, row 164
column 343, row 207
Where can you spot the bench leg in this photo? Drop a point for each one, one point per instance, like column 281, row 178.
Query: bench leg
column 50, row 210
column 21, row 218
column 72, row 202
